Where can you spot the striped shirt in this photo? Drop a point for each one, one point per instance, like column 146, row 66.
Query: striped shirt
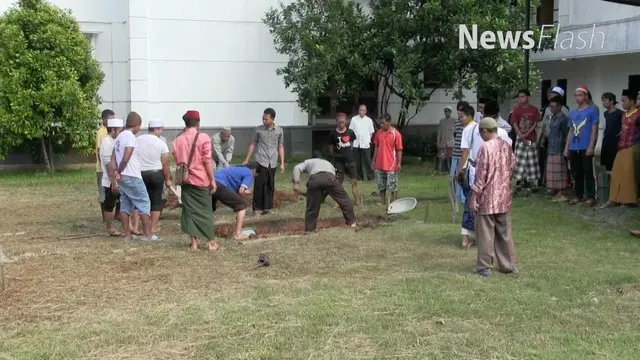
column 457, row 140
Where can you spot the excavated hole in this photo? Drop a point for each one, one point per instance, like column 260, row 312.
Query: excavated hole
column 268, row 228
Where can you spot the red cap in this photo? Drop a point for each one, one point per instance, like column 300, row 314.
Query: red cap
column 191, row 115
column 583, row 88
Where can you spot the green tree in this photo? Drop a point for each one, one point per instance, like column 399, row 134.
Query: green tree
column 410, row 46
column 49, row 80
column 325, row 42
column 417, row 48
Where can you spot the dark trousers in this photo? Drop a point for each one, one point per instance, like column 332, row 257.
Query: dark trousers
column 320, row 185
column 363, row 158
column 228, row 198
column 582, row 173
column 542, row 159
column 264, row 188
column 154, row 182
column 514, row 137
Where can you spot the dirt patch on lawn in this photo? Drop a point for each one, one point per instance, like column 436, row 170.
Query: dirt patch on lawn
column 267, row 228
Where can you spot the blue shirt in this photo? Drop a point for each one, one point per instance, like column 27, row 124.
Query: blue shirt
column 234, row 177
column 581, row 124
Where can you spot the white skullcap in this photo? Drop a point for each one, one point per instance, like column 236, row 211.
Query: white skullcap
column 226, row 128
column 448, row 108
column 156, row 123
column 115, row 123
column 558, row 90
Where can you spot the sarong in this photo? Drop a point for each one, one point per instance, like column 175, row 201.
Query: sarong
column 467, row 216
column 197, row 215
column 527, row 165
column 623, row 187
column 557, row 172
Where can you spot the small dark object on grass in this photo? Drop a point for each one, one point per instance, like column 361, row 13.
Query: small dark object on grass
column 263, row 261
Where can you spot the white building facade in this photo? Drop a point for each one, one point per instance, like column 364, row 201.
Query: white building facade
column 161, row 58
column 608, row 59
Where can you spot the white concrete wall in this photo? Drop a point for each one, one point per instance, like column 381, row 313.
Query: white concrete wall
column 106, row 19
column 601, row 74
column 434, row 110
column 618, row 24
column 213, row 56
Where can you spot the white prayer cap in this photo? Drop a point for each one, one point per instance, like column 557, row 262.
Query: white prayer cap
column 156, row 123
column 115, row 123
column 448, row 108
column 558, row 90
column 226, row 128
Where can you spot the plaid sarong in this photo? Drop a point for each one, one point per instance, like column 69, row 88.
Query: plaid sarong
column 556, row 172
column 527, row 165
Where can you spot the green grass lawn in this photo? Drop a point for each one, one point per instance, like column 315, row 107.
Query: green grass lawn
column 403, row 291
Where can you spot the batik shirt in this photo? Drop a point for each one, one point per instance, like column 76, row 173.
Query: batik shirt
column 494, row 167
column 629, row 128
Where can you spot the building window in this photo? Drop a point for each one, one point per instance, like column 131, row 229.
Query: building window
column 330, row 105
column 91, row 38
column 547, row 12
column 545, row 88
column 634, row 83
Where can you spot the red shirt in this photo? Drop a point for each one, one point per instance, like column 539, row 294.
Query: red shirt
column 182, row 148
column 387, row 143
column 525, row 118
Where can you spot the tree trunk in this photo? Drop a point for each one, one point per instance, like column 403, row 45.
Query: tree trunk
column 52, row 155
column 402, row 117
column 45, row 154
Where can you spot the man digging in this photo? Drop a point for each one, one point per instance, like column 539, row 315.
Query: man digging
column 322, row 179
column 232, row 183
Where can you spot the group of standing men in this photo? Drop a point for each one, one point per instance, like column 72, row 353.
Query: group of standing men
column 134, row 170
column 555, row 148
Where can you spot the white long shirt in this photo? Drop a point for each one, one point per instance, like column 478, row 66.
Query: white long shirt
column 363, row 127
column 472, row 140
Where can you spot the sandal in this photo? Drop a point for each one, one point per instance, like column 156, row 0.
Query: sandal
column 115, row 234
column 135, row 232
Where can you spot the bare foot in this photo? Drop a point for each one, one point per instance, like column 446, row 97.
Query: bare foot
column 380, row 204
column 194, row 245
column 213, row 246
column 241, row 236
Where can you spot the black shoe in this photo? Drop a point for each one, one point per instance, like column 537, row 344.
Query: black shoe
column 482, row 272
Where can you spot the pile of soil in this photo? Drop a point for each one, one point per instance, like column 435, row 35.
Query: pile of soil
column 279, row 198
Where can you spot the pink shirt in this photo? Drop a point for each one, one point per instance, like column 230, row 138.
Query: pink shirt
column 494, row 167
column 202, row 154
